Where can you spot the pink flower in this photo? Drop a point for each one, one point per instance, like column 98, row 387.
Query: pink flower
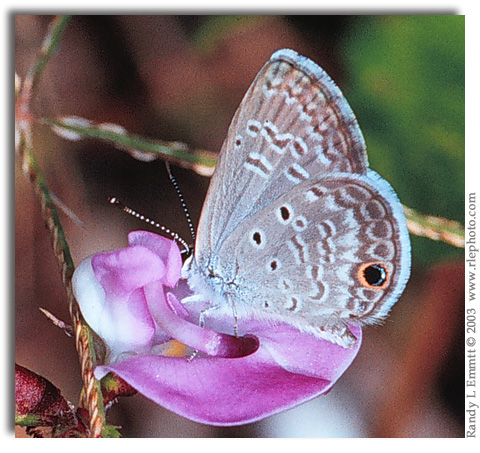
column 130, row 298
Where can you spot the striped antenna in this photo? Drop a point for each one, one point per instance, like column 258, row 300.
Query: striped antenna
column 114, row 201
column 182, row 200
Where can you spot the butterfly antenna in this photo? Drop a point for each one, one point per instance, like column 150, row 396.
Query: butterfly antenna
column 116, row 202
column 182, row 200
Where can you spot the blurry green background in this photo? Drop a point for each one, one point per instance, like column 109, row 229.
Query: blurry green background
column 182, row 78
column 407, row 86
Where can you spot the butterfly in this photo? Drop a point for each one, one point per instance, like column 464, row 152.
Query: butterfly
column 295, row 226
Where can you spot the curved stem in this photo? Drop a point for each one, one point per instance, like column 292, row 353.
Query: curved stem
column 91, row 393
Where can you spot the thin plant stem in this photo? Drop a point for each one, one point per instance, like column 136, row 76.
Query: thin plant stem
column 47, row 50
column 91, row 397
column 203, row 162
column 141, row 148
column 435, row 228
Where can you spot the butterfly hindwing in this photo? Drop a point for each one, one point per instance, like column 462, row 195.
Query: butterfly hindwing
column 334, row 246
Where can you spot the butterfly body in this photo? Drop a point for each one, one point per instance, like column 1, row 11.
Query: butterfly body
column 295, row 225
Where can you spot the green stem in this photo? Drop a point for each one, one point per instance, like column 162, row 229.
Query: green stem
column 48, row 49
column 435, row 228
column 75, row 128
column 61, row 239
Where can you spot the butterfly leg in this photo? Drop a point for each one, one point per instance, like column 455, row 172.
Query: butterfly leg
column 205, row 313
column 235, row 315
column 201, row 323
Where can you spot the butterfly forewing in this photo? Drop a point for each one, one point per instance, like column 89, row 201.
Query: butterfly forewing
column 292, row 124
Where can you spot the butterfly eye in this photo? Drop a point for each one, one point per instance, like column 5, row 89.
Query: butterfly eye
column 373, row 275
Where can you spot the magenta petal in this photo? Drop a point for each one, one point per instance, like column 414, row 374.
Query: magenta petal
column 271, row 367
column 176, row 306
column 222, row 391
column 122, row 271
column 295, row 351
column 219, row 391
column 126, row 324
column 307, row 354
column 165, row 248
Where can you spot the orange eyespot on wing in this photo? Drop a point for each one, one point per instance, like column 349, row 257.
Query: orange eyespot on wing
column 373, row 275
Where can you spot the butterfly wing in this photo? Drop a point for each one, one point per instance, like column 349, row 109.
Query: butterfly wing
column 295, row 225
column 292, row 124
column 333, row 249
